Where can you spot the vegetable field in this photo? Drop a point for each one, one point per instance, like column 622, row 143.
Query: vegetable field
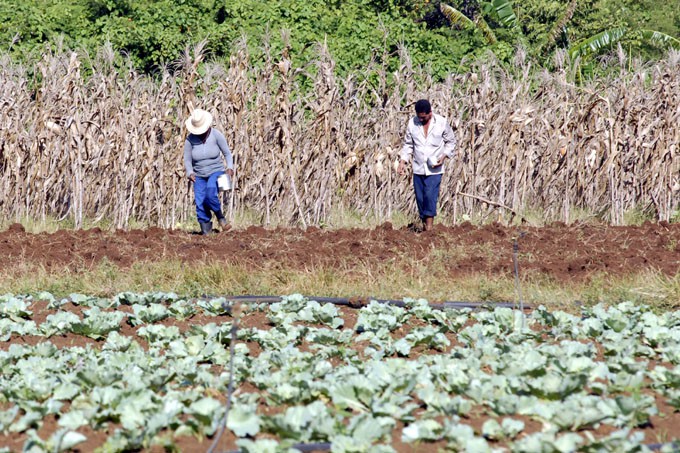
column 153, row 371
column 157, row 371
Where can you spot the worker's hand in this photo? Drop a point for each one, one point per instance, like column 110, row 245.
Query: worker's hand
column 441, row 160
column 230, row 172
column 192, row 177
column 401, row 168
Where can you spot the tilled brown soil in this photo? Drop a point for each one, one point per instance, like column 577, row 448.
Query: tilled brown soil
column 566, row 253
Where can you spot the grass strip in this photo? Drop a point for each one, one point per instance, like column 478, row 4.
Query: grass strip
column 388, row 281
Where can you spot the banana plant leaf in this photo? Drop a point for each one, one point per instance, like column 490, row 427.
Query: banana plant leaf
column 660, row 38
column 597, row 42
column 505, row 12
column 456, row 17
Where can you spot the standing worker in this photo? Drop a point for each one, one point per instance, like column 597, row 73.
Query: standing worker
column 429, row 142
column 203, row 149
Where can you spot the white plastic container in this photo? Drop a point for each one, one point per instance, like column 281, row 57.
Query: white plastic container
column 224, row 182
column 432, row 160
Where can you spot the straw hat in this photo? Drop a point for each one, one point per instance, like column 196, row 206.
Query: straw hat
column 199, row 122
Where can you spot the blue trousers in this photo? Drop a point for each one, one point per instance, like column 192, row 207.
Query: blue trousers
column 427, row 194
column 206, row 197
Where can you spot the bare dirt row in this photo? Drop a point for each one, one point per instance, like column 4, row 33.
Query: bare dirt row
column 563, row 252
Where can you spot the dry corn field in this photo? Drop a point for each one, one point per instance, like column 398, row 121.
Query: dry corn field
column 108, row 145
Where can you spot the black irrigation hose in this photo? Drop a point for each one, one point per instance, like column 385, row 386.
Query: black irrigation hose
column 354, row 303
column 359, row 302
column 657, row 447
column 326, row 446
column 230, row 390
column 318, row 446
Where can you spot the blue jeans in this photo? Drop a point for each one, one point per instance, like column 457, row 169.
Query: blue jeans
column 206, row 196
column 427, row 194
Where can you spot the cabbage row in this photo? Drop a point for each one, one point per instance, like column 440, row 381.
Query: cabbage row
column 413, row 372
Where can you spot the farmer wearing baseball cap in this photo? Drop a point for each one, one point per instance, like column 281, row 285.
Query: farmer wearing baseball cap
column 203, row 149
column 429, row 141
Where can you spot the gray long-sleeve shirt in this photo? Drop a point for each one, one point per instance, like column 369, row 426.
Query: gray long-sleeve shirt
column 203, row 159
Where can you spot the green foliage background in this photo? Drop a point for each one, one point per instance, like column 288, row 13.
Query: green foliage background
column 153, row 33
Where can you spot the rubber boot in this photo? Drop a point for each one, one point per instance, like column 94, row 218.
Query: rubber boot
column 224, row 224
column 206, row 227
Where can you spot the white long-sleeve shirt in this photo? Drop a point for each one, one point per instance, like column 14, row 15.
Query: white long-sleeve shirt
column 440, row 141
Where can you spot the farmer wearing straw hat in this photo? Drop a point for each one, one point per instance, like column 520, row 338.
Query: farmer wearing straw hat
column 202, row 149
column 429, row 141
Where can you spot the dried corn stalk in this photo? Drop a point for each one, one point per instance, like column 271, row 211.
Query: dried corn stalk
column 110, row 145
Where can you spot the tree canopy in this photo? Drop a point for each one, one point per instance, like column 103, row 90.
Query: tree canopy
column 153, row 33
